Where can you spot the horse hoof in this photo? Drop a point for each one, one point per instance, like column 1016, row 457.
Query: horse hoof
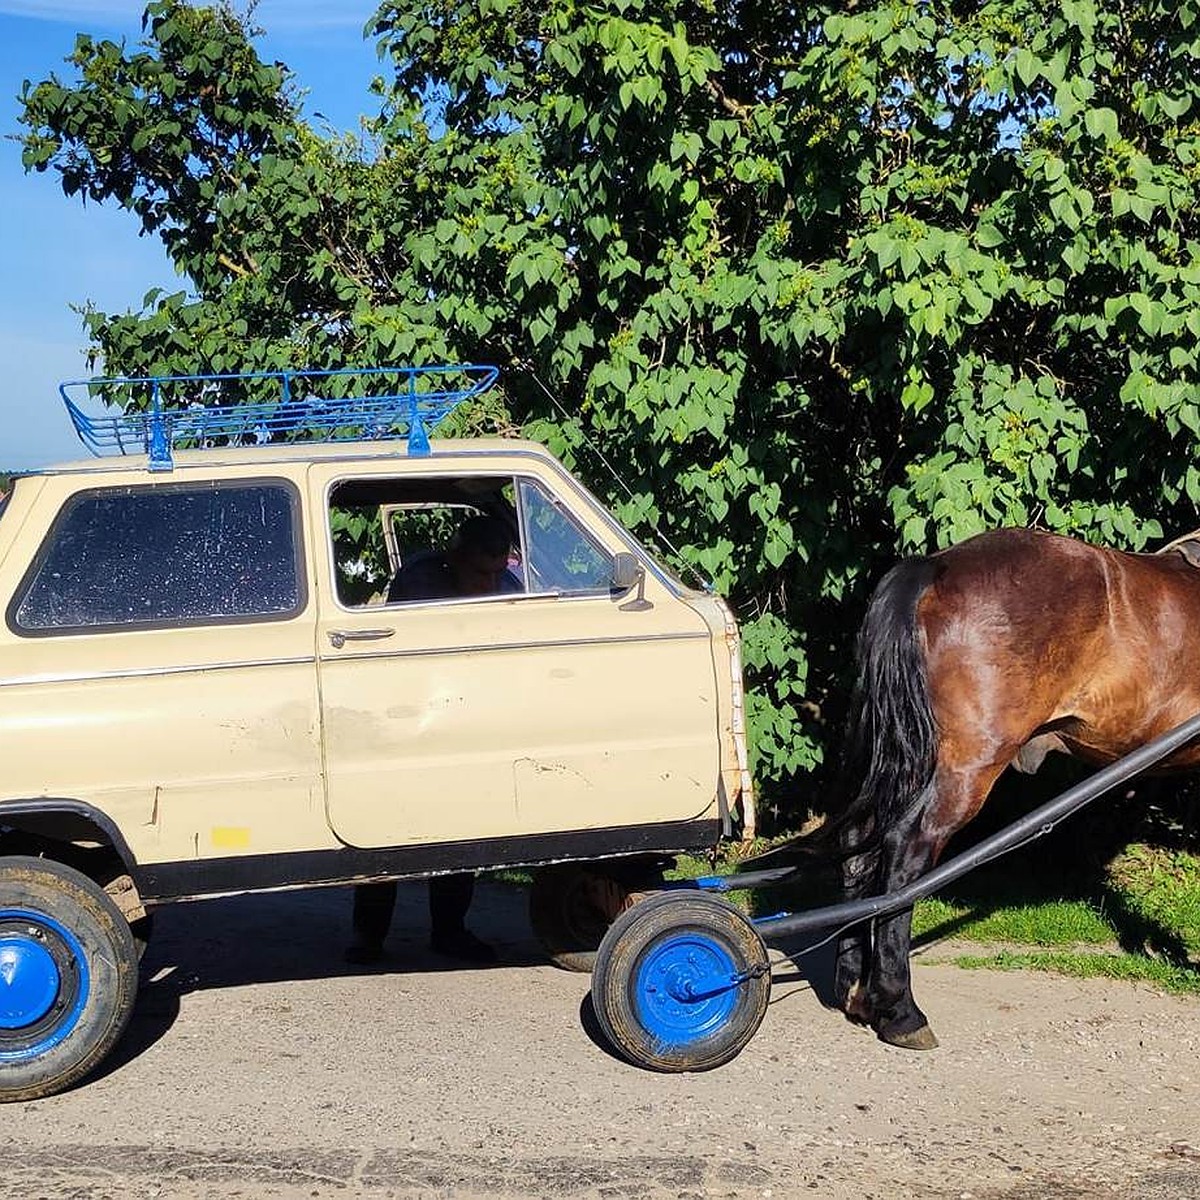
column 917, row 1039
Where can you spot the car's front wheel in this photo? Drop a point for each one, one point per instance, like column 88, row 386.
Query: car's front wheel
column 68, row 976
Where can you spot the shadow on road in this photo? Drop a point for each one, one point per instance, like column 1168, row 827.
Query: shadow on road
column 281, row 936
column 274, row 937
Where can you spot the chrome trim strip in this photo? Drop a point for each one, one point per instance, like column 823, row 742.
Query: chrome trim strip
column 144, row 672
column 429, row 651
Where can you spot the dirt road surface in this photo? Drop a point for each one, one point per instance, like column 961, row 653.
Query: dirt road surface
column 258, row 1065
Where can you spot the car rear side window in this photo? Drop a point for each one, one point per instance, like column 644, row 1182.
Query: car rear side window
column 164, row 556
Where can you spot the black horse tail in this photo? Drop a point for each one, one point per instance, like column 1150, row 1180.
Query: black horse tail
column 890, row 752
column 890, row 749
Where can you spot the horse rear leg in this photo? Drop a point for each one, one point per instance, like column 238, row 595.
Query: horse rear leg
column 910, row 849
column 894, row 1013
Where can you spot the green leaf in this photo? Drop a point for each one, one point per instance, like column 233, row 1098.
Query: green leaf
column 1101, row 123
column 1062, row 205
column 1174, row 106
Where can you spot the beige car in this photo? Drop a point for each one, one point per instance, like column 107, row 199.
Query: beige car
column 205, row 690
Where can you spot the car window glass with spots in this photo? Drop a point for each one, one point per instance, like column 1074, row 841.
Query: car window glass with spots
column 163, row 556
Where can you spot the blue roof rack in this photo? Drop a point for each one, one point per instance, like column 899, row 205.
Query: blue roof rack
column 161, row 413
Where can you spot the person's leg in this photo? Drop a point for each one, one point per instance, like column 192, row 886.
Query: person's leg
column 373, row 907
column 449, row 899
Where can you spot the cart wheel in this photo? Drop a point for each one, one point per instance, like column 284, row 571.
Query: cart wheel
column 681, row 982
column 68, row 976
column 571, row 907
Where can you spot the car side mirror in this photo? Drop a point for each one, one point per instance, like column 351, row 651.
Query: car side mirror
column 627, row 573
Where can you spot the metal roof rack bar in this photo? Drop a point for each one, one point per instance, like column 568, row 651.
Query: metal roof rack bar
column 159, row 414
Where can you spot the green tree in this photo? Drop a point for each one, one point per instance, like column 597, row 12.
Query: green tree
column 826, row 282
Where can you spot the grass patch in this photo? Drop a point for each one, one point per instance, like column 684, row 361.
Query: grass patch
column 688, row 866
column 1133, row 967
column 1048, row 923
column 515, row 876
column 1157, row 892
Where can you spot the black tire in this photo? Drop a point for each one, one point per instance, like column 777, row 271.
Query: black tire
column 68, row 976
column 681, row 982
column 571, row 906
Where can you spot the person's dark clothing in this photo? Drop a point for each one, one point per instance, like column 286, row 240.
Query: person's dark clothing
column 429, row 576
column 449, row 898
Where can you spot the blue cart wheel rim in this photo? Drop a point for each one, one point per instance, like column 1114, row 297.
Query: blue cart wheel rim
column 685, row 988
column 44, row 983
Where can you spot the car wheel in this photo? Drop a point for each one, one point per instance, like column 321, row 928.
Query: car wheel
column 572, row 905
column 681, row 982
column 68, row 976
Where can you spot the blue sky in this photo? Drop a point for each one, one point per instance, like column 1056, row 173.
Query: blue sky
column 54, row 252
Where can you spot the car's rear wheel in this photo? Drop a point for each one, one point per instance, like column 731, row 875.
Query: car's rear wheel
column 68, row 976
column 571, row 906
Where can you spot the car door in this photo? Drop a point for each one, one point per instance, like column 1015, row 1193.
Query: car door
column 559, row 706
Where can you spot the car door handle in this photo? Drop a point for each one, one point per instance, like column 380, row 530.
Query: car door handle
column 339, row 637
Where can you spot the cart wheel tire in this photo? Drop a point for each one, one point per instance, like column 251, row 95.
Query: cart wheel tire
column 68, row 977
column 572, row 906
column 681, row 982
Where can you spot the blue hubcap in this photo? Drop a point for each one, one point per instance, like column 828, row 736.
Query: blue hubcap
column 44, row 983
column 686, row 987
column 29, row 981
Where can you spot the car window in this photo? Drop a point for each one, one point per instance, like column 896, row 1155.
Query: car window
column 162, row 556
column 560, row 555
column 391, row 538
column 402, row 540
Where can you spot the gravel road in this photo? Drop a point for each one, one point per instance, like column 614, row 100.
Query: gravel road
column 258, row 1065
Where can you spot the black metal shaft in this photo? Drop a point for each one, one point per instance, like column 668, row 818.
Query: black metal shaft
column 1034, row 825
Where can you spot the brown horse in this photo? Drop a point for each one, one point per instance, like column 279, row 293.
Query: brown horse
column 989, row 654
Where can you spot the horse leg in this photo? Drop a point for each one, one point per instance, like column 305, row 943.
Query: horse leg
column 859, row 873
column 895, row 1015
column 910, row 849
